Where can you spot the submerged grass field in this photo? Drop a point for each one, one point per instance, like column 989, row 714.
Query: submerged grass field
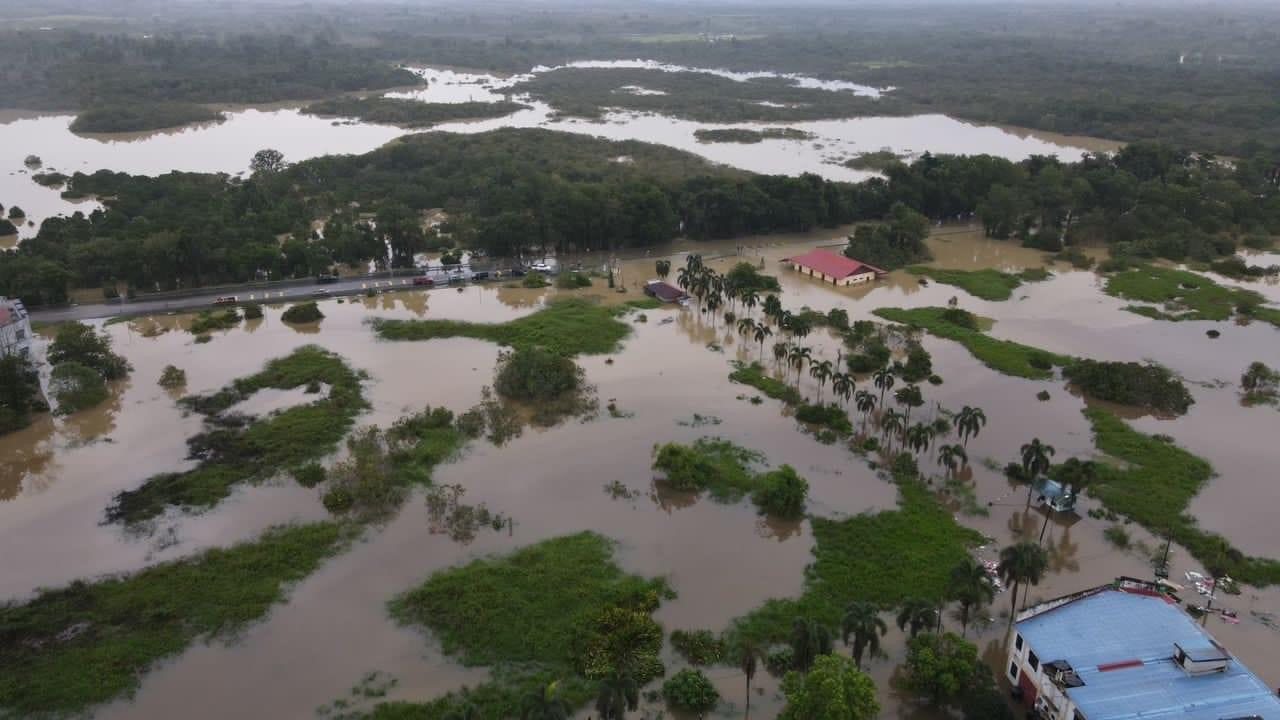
column 569, row 326
column 90, row 642
column 1156, row 487
column 883, row 558
column 1184, row 295
column 535, row 616
column 231, row 453
column 755, row 376
column 1003, row 356
column 987, row 284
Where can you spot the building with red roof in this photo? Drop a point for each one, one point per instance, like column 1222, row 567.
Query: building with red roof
column 833, row 268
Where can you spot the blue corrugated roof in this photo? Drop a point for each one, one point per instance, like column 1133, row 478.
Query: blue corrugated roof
column 1113, row 626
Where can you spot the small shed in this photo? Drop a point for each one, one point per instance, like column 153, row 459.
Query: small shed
column 834, row 268
column 1054, row 495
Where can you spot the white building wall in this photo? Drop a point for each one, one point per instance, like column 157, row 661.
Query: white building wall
column 1045, row 688
column 15, row 338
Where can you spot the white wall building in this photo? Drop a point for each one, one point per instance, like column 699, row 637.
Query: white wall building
column 15, row 328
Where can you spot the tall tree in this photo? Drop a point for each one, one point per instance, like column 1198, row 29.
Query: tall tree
column 1021, row 564
column 809, row 640
column 833, row 690
column 545, row 704
column 1035, row 462
column 619, row 694
column 916, row 614
column 969, row 422
column 883, row 380
column 971, row 587
column 862, row 622
column 748, row 662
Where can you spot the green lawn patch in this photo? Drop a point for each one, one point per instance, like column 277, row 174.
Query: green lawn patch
column 540, row 614
column 883, row 558
column 1156, row 487
column 1184, row 295
column 987, row 284
column 90, row 642
column 232, row 451
column 569, row 326
column 1004, row 356
column 754, row 375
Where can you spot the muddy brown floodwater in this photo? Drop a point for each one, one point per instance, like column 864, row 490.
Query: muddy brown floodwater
column 57, row 476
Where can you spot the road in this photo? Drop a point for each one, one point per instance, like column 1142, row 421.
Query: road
column 201, row 301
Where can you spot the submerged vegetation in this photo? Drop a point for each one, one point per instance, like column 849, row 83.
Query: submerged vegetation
column 20, row 394
column 140, row 117
column 234, row 449
column 303, row 313
column 89, row 642
column 1004, row 356
column 75, row 387
column 726, row 471
column 567, row 326
column 987, row 284
column 1155, row 488
column 1150, row 387
column 748, row 136
column 410, row 113
column 1184, row 295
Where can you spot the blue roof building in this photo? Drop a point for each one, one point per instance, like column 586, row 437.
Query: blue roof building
column 1124, row 651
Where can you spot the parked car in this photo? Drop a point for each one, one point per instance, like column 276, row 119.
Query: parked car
column 480, row 275
column 226, row 300
column 319, row 293
column 540, row 267
column 423, row 280
column 326, row 279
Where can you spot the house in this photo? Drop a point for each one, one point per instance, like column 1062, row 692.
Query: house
column 1126, row 650
column 833, row 268
column 1053, row 495
column 15, row 328
column 665, row 292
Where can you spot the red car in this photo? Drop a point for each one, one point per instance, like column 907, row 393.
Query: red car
column 226, row 300
column 423, row 281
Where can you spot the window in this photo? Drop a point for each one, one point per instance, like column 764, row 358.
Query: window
column 22, row 334
column 1033, row 661
column 1013, row 671
column 1017, row 641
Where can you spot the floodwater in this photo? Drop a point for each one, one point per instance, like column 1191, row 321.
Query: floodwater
column 723, row 560
column 227, row 146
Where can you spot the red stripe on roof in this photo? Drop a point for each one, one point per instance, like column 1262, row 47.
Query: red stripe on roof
column 1123, row 664
column 832, row 264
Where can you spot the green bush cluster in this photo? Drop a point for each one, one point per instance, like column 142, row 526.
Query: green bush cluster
column 572, row 281
column 1147, row 386
column 699, row 647
column 75, row 387
column 690, row 690
column 303, row 313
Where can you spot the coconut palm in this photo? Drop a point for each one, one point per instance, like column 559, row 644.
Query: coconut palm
column 969, row 422
column 952, row 457
column 910, row 397
column 685, row 277
column 746, row 326
column 866, row 403
column 883, row 380
column 809, row 639
column 918, row 437
column 780, row 350
column 971, row 587
column 862, row 621
column 663, row 267
column 890, row 424
column 842, row 386
column 748, row 661
column 917, row 614
column 693, row 262
column 821, row 371
column 750, row 298
column 798, row 356
column 1021, row 564
column 762, row 333
column 1035, row 462
column 619, row 694
column 714, row 300
column 545, row 704
column 773, row 308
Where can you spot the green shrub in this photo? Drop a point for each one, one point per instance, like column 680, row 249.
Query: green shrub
column 75, row 387
column 572, row 281
column 832, row 417
column 1117, row 535
column 309, row 475
column 202, row 339
column 962, row 318
column 919, row 365
column 745, row 276
column 780, row 660
column 754, row 375
column 173, row 377
column 77, row 342
column 1149, row 386
column 20, row 393
column 699, row 647
column 689, row 690
column 782, row 493
column 252, row 312
column 211, row 320
column 338, row 500
column 709, row 464
column 302, row 313
column 536, row 374
column 534, row 281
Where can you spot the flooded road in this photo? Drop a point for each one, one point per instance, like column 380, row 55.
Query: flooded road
column 226, row 147
column 723, row 560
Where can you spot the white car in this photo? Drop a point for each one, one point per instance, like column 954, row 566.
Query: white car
column 540, row 267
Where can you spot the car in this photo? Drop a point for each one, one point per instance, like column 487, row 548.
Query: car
column 540, row 267
column 422, row 280
column 319, row 293
column 226, row 300
column 326, row 279
column 480, row 275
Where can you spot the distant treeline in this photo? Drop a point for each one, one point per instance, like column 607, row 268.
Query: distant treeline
column 510, row 191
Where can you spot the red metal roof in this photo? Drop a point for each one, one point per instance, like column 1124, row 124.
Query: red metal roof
column 833, row 264
column 6, row 315
column 665, row 291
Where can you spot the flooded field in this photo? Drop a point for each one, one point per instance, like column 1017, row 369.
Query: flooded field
column 57, row 477
column 226, row 147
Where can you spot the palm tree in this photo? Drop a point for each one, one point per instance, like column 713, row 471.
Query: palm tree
column 918, row 438
column 866, row 403
column 917, row 614
column 821, row 372
column 748, row 659
column 890, row 424
column 619, row 694
column 951, row 456
column 545, row 704
column 1021, row 564
column 862, row 621
column 693, row 262
column 746, row 326
column 750, row 298
column 1035, row 462
column 780, row 350
column 714, row 301
column 786, row 321
column 798, row 356
column 911, row 397
column 762, row 333
column 971, row 586
column 663, row 267
column 842, row 386
column 809, row 639
column 773, row 308
column 884, row 380
column 684, row 278
column 969, row 422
